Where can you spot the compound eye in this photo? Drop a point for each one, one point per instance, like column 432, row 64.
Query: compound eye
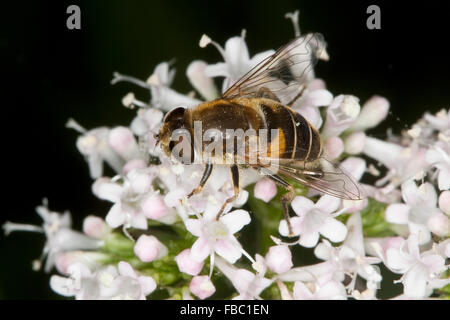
column 176, row 114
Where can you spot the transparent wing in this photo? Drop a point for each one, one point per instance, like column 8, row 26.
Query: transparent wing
column 323, row 176
column 285, row 72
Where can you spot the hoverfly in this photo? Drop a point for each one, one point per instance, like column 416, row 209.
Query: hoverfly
column 262, row 99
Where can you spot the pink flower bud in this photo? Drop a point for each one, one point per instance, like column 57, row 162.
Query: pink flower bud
column 372, row 113
column 95, row 227
column 334, row 147
column 439, row 224
column 104, row 189
column 149, row 248
column 354, row 143
column 354, row 166
column 98, row 183
column 122, row 140
column 134, row 164
column 202, row 287
column 316, row 84
column 188, row 265
column 90, row 259
column 265, row 189
column 154, row 207
column 444, row 202
column 64, row 260
column 279, row 259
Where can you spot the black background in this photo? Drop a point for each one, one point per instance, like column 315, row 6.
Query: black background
column 51, row 73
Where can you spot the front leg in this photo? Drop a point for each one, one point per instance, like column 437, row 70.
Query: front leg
column 206, row 174
column 235, row 178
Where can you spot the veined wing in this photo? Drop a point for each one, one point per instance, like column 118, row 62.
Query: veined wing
column 324, row 176
column 285, row 72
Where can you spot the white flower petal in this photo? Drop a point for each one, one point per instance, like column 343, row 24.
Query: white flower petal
column 172, row 198
column 236, row 220
column 201, row 82
column 323, row 250
column 200, row 250
column 354, row 238
column 415, row 282
column 194, row 226
column 217, row 70
column 139, row 221
column 421, row 231
column 302, row 205
column 332, row 290
column 444, row 180
column 148, row 285
column 296, row 224
column 444, row 202
column 229, row 249
column 397, row 213
column 107, row 190
column 333, row 229
column 115, row 216
column 301, row 292
column 320, row 97
column 397, row 261
column 435, row 263
column 62, row 286
column 237, row 54
column 385, row 152
column 328, row 203
column 125, row 269
column 257, row 58
column 309, row 239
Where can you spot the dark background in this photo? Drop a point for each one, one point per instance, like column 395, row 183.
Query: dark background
column 51, row 73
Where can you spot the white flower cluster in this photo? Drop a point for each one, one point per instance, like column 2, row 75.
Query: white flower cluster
column 403, row 223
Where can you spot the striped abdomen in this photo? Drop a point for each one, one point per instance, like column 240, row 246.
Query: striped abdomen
column 296, row 138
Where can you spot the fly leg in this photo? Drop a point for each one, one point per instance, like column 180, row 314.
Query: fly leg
column 206, row 174
column 235, row 178
column 285, row 199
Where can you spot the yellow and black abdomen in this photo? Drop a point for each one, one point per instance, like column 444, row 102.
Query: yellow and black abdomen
column 295, row 137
